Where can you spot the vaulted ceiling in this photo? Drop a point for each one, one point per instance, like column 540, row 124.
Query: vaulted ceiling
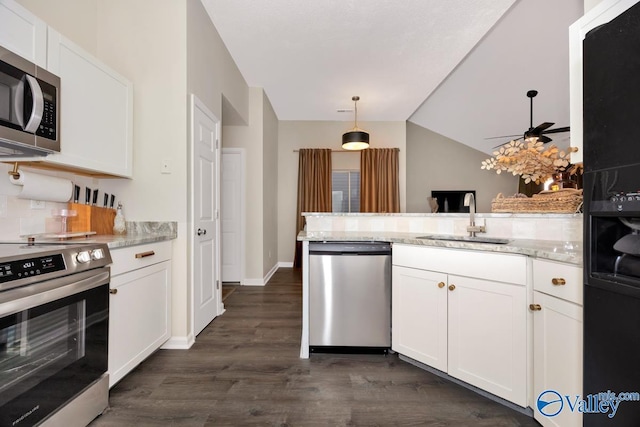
column 458, row 67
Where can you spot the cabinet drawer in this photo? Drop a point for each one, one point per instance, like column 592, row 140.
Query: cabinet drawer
column 134, row 257
column 483, row 265
column 560, row 280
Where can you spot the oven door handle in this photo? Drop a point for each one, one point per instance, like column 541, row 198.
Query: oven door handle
column 19, row 299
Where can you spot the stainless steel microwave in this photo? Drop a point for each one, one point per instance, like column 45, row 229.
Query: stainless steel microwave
column 29, row 108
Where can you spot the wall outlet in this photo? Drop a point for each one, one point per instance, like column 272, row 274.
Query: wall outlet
column 37, row 204
column 165, row 166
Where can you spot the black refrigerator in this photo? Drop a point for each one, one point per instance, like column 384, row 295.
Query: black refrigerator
column 611, row 55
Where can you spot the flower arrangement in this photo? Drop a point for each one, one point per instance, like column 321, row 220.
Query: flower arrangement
column 531, row 160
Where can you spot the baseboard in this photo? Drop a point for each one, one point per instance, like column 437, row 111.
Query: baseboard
column 525, row 411
column 264, row 280
column 179, row 343
column 284, row 264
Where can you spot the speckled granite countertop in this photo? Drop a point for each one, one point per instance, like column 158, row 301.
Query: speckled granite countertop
column 139, row 233
column 567, row 252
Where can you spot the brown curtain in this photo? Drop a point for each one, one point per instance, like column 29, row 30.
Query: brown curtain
column 379, row 180
column 314, row 188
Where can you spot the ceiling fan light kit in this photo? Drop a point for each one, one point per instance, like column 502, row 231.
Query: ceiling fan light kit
column 538, row 133
column 355, row 139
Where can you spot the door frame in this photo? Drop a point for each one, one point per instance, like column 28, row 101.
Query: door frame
column 194, row 102
column 243, row 165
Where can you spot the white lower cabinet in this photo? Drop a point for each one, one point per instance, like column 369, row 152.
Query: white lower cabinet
column 419, row 315
column 487, row 336
column 140, row 305
column 453, row 310
column 557, row 342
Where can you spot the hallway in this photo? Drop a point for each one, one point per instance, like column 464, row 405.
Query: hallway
column 244, row 369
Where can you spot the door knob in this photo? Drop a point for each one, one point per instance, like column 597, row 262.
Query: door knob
column 201, row 231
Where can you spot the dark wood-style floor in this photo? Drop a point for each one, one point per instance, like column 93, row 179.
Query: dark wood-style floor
column 244, row 369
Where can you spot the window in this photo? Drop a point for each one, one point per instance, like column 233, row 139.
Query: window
column 345, row 190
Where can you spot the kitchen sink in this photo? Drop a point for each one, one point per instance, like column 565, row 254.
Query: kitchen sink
column 475, row 239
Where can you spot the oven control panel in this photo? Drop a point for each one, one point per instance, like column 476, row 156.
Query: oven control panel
column 20, row 269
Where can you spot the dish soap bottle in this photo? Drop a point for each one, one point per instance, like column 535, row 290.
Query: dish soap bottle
column 119, row 226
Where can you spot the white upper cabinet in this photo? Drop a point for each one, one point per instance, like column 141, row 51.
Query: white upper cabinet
column 23, row 33
column 96, row 118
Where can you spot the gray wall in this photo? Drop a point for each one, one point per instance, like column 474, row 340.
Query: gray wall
column 435, row 162
column 269, row 186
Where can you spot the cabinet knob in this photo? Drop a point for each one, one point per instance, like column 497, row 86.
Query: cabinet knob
column 558, row 281
column 452, row 287
column 535, row 307
column 441, row 285
column 113, row 291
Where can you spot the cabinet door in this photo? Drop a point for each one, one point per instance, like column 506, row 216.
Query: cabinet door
column 139, row 317
column 419, row 315
column 557, row 357
column 23, row 33
column 96, row 132
column 487, row 336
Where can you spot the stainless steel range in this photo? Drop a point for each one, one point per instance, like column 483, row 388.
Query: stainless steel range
column 54, row 316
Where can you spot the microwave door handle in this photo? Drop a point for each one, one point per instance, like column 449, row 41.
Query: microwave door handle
column 38, row 105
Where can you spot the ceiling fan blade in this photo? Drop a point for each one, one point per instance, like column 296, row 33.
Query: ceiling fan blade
column 504, row 136
column 544, row 139
column 505, row 143
column 557, row 130
column 538, row 129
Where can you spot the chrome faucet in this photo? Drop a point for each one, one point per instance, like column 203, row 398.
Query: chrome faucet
column 470, row 201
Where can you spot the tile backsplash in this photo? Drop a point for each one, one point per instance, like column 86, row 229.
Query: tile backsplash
column 19, row 217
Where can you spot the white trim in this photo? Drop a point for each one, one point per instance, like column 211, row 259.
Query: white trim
column 253, row 282
column 264, row 280
column 285, row 264
column 179, row 343
column 243, row 222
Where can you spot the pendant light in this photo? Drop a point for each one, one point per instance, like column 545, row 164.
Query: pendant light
column 355, row 139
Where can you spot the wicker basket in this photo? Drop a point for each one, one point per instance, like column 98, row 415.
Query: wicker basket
column 567, row 200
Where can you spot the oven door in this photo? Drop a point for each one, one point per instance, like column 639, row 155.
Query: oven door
column 53, row 344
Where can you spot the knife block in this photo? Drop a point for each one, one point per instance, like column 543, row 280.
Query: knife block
column 91, row 218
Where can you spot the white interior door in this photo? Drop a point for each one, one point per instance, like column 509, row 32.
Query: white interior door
column 232, row 214
column 205, row 184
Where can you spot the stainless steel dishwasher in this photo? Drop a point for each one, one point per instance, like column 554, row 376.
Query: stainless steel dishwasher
column 349, row 295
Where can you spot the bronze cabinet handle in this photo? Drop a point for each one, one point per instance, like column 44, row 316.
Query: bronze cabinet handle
column 535, row 307
column 452, row 287
column 441, row 285
column 145, row 254
column 113, row 291
column 557, row 281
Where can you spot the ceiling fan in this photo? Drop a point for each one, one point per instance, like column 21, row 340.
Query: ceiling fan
column 539, row 131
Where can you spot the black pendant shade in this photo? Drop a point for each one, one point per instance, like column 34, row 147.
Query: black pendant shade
column 355, row 139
